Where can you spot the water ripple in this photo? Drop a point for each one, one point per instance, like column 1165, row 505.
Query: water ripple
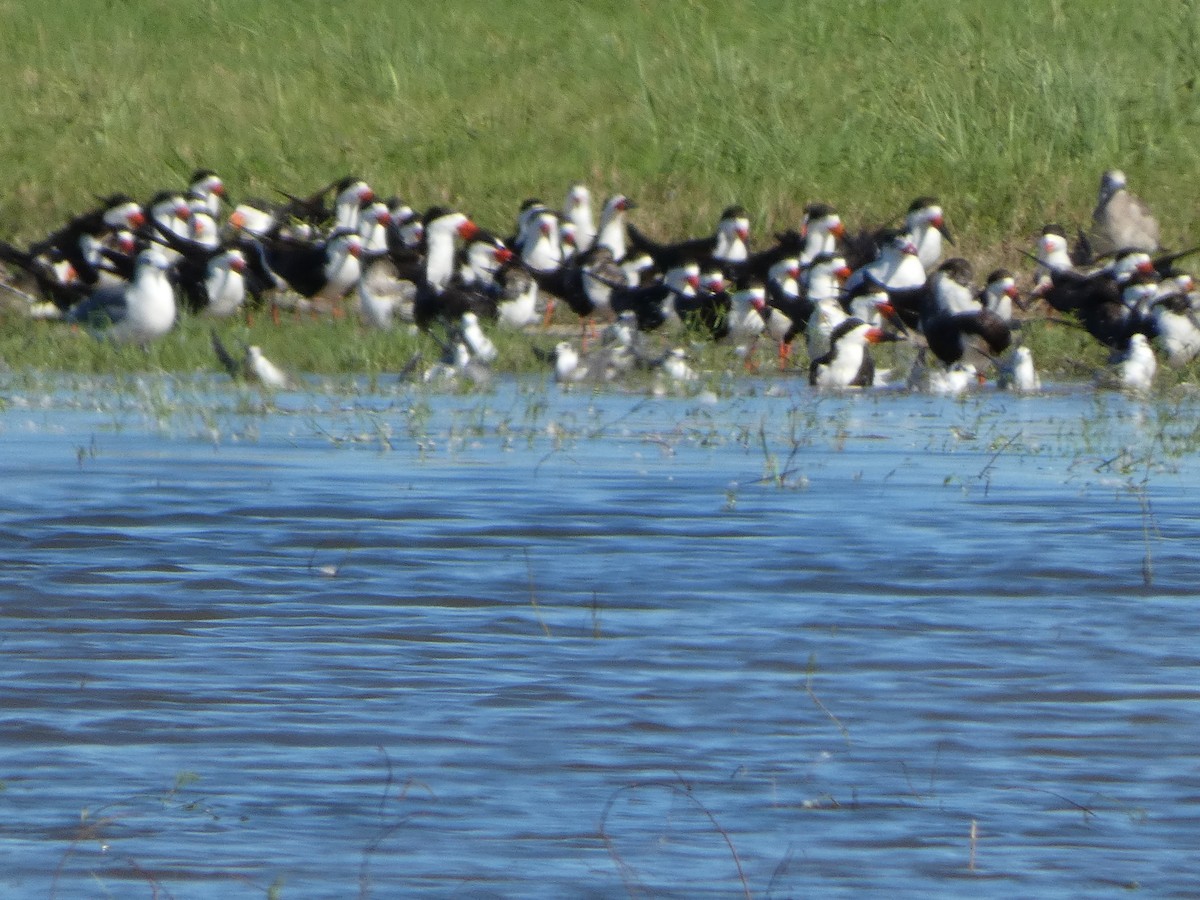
column 584, row 649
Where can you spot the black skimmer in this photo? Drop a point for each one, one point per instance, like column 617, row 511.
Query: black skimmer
column 324, row 271
column 529, row 208
column 570, row 246
column 825, row 277
column 746, row 320
column 827, row 314
column 168, row 211
column 349, row 195
column 926, row 224
column 951, row 289
column 444, row 229
column 406, row 234
column 1054, row 255
column 1068, row 290
column 848, row 364
column 577, row 213
column 707, row 310
column 870, row 303
column 952, row 318
column 787, row 312
column 374, row 226
column 821, row 229
column 613, row 230
column 140, row 311
column 57, row 294
column 441, row 292
column 224, row 284
column 1112, row 318
column 735, row 317
column 517, row 298
column 539, row 238
column 206, row 188
column 789, row 245
column 392, row 268
column 213, row 278
column 481, row 260
column 203, row 227
column 80, row 241
column 586, row 283
column 727, row 247
column 654, row 304
column 1000, row 293
column 213, row 282
column 823, row 292
column 1175, row 320
column 898, row 271
column 257, row 219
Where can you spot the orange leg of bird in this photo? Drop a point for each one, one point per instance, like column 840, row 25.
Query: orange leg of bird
column 751, row 361
column 785, row 354
column 584, row 335
column 275, row 314
column 551, row 304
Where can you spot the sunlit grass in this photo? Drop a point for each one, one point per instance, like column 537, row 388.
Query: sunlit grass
column 307, row 345
column 1009, row 111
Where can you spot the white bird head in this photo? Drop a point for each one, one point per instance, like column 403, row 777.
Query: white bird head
column 578, row 201
column 1052, row 248
column 1110, row 182
column 121, row 212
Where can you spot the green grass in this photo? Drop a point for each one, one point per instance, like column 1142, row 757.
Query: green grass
column 341, row 346
column 1007, row 111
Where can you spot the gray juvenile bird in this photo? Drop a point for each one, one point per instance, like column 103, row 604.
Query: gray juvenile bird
column 1121, row 221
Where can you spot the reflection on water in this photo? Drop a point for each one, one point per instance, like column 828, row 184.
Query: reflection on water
column 531, row 643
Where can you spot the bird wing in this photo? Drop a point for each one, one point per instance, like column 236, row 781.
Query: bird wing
column 228, row 363
column 1124, row 222
column 668, row 256
column 105, row 306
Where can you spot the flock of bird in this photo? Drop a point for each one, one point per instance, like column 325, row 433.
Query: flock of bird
column 123, row 269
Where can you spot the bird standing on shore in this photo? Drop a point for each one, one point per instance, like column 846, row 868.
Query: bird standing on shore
column 848, row 363
column 253, row 366
column 1134, row 370
column 139, row 311
column 1121, row 221
column 1018, row 374
column 926, row 224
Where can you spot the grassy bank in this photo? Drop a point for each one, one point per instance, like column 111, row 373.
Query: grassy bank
column 1009, row 112
column 342, row 346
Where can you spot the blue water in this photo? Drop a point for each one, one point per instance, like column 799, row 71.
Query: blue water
column 382, row 642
